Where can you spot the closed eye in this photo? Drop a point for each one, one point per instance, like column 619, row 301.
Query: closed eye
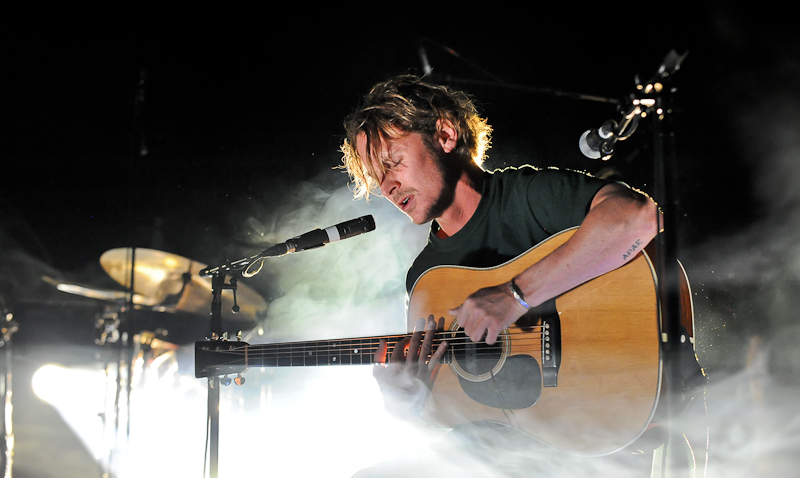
column 392, row 164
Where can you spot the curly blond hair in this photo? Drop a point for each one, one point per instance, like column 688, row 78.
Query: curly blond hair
column 408, row 104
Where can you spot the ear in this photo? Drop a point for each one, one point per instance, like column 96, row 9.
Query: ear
column 446, row 135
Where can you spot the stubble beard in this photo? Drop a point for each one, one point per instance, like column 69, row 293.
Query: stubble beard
column 450, row 171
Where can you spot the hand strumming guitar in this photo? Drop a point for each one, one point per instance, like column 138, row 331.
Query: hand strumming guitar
column 405, row 380
column 486, row 312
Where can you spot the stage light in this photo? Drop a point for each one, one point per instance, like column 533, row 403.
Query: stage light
column 273, row 420
column 78, row 395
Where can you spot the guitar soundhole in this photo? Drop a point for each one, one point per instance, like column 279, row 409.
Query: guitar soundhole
column 475, row 358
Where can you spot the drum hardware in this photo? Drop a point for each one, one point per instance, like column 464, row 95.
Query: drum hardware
column 106, row 327
column 173, row 282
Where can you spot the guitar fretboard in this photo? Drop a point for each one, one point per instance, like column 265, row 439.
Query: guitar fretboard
column 321, row 352
column 230, row 357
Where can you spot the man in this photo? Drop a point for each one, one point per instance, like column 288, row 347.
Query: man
column 424, row 157
column 421, row 145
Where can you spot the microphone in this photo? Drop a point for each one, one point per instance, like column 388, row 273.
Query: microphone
column 309, row 240
column 320, row 237
column 599, row 143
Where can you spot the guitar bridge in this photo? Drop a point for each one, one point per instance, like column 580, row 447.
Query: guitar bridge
column 551, row 348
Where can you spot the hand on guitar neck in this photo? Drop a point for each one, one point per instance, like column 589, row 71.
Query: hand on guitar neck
column 405, row 380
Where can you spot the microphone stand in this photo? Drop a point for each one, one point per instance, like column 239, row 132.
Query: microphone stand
column 213, row 382
column 665, row 178
column 218, row 284
column 654, row 98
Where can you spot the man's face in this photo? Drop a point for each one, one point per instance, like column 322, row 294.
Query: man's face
column 415, row 180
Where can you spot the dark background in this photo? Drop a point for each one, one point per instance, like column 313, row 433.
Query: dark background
column 238, row 109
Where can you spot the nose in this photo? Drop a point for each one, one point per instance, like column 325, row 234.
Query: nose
column 388, row 184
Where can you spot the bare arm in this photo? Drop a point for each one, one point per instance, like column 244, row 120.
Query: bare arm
column 619, row 224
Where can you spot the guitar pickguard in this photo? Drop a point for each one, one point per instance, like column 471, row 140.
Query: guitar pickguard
column 517, row 385
column 492, row 377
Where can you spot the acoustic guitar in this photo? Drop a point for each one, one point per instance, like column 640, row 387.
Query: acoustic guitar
column 581, row 373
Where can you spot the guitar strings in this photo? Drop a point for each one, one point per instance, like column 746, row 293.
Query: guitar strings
column 350, row 348
column 373, row 341
column 367, row 342
column 371, row 344
column 366, row 358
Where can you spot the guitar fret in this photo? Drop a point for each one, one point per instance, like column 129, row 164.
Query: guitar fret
column 324, row 353
column 355, row 352
column 296, row 354
column 329, row 354
column 337, row 355
column 345, row 353
column 285, row 360
column 312, row 356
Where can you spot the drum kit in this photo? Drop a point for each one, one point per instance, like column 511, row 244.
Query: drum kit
column 165, row 302
column 164, row 296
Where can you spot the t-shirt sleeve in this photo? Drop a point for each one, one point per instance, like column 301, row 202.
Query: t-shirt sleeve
column 560, row 199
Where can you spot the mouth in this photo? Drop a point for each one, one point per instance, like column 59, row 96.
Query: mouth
column 404, row 203
column 404, row 200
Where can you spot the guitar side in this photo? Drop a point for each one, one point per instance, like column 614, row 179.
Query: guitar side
column 610, row 371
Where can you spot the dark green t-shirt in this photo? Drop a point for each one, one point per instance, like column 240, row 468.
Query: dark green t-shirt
column 519, row 208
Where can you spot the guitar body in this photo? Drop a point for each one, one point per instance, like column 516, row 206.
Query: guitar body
column 609, row 359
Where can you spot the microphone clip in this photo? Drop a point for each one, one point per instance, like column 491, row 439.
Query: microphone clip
column 599, row 143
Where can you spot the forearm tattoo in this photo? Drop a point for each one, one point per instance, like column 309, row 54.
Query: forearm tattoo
column 634, row 247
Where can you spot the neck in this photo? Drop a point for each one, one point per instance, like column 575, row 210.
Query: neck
column 465, row 203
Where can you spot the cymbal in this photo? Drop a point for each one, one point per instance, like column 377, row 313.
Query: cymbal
column 108, row 295
column 173, row 281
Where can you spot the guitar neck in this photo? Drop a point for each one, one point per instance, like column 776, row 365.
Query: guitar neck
column 222, row 357
column 357, row 351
